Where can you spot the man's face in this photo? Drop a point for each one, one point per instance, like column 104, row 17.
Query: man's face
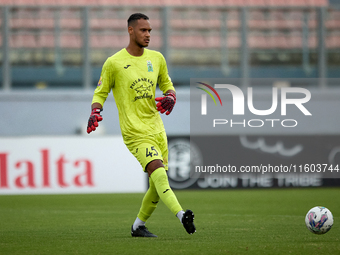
column 140, row 33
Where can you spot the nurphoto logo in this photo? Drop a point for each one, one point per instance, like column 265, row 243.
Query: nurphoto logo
column 238, row 104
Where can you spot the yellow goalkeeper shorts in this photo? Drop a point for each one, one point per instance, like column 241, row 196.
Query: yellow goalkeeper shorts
column 149, row 148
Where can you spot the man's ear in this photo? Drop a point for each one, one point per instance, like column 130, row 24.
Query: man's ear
column 130, row 30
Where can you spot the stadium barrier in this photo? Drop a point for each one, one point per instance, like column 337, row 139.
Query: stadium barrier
column 262, row 161
column 66, row 165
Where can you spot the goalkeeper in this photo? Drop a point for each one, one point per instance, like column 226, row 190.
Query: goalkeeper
column 132, row 74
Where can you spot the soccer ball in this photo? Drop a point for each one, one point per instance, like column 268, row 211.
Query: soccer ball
column 319, row 220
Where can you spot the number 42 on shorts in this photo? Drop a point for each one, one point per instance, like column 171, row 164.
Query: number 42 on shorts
column 151, row 152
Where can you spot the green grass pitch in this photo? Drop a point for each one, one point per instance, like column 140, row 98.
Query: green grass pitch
column 256, row 221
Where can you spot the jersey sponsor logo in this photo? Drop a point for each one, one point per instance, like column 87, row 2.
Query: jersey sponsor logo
column 126, row 67
column 150, row 67
column 143, row 92
column 143, row 88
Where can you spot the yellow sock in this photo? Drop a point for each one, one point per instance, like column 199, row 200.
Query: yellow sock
column 149, row 202
column 160, row 180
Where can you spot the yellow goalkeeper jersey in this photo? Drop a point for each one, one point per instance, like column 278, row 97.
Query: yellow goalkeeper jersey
column 133, row 82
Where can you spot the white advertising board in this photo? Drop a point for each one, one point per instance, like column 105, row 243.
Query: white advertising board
column 65, row 165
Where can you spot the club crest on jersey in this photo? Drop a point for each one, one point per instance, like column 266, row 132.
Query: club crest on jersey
column 150, row 67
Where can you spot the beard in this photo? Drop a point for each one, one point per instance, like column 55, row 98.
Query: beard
column 141, row 45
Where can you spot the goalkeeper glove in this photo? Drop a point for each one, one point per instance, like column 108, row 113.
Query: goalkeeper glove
column 166, row 103
column 95, row 117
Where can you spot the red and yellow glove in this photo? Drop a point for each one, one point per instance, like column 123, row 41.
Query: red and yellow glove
column 166, row 103
column 95, row 117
